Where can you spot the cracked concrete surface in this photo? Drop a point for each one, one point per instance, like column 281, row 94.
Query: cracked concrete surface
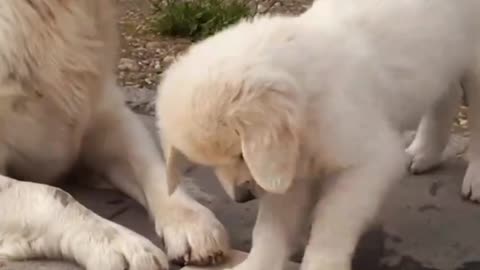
column 424, row 224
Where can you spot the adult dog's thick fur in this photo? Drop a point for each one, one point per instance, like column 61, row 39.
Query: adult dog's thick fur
column 323, row 98
column 59, row 106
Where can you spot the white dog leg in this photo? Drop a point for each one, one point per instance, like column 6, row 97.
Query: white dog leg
column 471, row 181
column 434, row 131
column 120, row 147
column 40, row 221
column 349, row 206
column 276, row 230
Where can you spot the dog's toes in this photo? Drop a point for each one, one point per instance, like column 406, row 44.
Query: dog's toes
column 420, row 165
column 195, row 239
column 471, row 184
column 422, row 162
column 123, row 249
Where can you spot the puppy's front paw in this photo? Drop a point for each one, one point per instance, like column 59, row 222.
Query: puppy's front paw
column 422, row 159
column 123, row 249
column 471, row 183
column 193, row 235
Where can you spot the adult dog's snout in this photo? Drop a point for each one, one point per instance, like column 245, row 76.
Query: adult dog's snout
column 244, row 193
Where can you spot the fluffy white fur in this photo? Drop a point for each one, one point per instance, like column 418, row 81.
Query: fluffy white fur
column 60, row 107
column 323, row 98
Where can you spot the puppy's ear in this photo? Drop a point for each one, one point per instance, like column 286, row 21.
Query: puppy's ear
column 271, row 156
column 173, row 158
column 269, row 130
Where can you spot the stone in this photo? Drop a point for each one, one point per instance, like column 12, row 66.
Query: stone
column 168, row 59
column 127, row 64
column 261, row 8
column 153, row 45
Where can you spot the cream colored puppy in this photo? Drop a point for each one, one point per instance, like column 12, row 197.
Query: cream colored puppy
column 281, row 103
column 59, row 106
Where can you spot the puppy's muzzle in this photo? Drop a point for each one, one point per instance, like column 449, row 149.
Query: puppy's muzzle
column 244, row 193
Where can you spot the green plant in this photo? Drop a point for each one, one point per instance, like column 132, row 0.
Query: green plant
column 197, row 19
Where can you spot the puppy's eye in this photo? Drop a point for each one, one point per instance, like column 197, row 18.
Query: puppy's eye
column 240, row 157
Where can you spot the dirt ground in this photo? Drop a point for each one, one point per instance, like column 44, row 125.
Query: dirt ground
column 146, row 55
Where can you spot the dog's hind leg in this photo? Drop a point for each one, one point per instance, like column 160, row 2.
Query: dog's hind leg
column 41, row 221
column 119, row 147
column 434, row 131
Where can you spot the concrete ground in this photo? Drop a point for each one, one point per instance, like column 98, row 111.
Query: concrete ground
column 424, row 224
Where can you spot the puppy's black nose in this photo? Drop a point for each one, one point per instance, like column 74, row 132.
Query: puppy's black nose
column 243, row 193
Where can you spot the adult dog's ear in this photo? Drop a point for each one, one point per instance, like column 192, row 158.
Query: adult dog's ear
column 269, row 133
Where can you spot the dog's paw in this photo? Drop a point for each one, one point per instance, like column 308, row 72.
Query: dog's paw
column 471, row 183
column 193, row 235
column 423, row 160
column 123, row 249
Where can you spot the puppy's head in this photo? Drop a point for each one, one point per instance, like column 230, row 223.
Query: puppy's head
column 239, row 117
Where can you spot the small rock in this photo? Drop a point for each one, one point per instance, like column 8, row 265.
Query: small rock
column 261, row 8
column 138, row 76
column 157, row 66
column 169, row 59
column 140, row 49
column 127, row 64
column 153, row 45
column 148, row 81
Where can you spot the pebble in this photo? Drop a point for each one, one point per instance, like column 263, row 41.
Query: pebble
column 152, row 45
column 169, row 59
column 127, row 64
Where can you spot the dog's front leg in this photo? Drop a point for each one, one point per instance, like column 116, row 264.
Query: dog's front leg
column 40, row 221
column 120, row 147
column 280, row 217
column 471, row 180
column 434, row 131
column 348, row 207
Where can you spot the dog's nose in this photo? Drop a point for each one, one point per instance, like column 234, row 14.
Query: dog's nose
column 243, row 193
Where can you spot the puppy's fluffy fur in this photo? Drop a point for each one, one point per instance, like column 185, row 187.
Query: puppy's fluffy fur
column 59, row 106
column 323, row 98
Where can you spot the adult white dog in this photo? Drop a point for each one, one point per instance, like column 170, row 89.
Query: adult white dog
column 59, row 106
column 323, row 98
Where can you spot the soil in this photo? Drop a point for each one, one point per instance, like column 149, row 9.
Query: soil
column 145, row 55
